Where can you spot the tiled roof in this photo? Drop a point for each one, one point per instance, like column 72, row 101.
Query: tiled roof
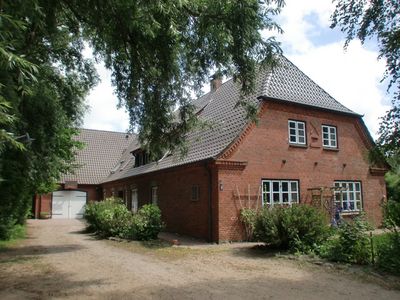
column 290, row 84
column 102, row 149
column 286, row 82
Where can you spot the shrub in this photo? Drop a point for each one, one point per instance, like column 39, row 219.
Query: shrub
column 146, row 223
column 108, row 218
column 6, row 227
column 249, row 216
column 111, row 218
column 391, row 213
column 296, row 228
column 388, row 245
column 387, row 252
column 350, row 244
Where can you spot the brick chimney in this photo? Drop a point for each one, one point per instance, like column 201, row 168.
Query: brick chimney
column 216, row 82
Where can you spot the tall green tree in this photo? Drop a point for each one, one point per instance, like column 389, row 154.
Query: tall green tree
column 159, row 52
column 377, row 19
column 43, row 83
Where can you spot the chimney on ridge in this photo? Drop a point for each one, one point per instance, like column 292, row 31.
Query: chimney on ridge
column 216, row 81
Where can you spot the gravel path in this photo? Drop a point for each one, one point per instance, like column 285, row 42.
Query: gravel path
column 58, row 261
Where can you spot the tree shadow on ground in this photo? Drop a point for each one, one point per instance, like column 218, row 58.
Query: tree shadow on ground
column 257, row 251
column 27, row 281
column 38, row 250
column 256, row 287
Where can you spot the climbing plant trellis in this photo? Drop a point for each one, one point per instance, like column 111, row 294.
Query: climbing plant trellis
column 326, row 198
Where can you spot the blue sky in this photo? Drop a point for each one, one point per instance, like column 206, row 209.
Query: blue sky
column 353, row 77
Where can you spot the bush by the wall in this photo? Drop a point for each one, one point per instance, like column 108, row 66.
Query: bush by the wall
column 111, row 218
column 108, row 218
column 146, row 223
column 249, row 216
column 296, row 228
column 350, row 243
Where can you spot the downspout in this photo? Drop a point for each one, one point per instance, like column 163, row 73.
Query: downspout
column 40, row 206
column 210, row 215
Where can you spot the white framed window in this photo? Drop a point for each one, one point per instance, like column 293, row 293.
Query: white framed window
column 280, row 192
column 348, row 195
column 329, row 136
column 154, row 195
column 134, row 200
column 297, row 132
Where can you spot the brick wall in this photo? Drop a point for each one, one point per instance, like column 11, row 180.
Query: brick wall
column 179, row 212
column 43, row 203
column 269, row 156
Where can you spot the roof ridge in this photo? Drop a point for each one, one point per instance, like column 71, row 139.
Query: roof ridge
column 110, row 131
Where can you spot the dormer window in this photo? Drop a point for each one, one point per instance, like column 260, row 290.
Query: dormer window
column 141, row 157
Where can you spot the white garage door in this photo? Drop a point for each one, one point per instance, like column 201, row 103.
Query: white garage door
column 68, row 204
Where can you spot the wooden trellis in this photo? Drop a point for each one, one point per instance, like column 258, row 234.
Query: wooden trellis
column 324, row 198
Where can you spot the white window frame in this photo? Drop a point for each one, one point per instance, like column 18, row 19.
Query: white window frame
column 134, row 200
column 349, row 198
column 154, row 195
column 281, row 192
column 297, row 132
column 329, row 136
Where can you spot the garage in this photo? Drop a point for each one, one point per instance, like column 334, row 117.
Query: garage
column 68, row 204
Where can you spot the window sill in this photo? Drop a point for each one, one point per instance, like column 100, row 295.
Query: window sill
column 298, row 145
column 350, row 213
column 331, row 149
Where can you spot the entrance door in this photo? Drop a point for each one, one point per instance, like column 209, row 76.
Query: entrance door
column 68, row 204
column 134, row 200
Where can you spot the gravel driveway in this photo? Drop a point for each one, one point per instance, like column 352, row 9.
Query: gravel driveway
column 59, row 261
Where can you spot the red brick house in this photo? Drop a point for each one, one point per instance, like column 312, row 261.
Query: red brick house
column 305, row 141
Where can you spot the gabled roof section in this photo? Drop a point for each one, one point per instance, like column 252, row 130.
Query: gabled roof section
column 101, row 152
column 286, row 83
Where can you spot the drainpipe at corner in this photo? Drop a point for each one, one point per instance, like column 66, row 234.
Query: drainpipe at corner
column 207, row 165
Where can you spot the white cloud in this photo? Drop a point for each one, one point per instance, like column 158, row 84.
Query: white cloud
column 103, row 113
column 352, row 77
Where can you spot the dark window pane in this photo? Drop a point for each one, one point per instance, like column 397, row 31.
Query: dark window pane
column 276, row 198
column 285, row 197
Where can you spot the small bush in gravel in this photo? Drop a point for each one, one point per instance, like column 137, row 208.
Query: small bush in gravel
column 146, row 223
column 350, row 243
column 299, row 228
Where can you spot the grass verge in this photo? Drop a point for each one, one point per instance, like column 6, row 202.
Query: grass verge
column 18, row 233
